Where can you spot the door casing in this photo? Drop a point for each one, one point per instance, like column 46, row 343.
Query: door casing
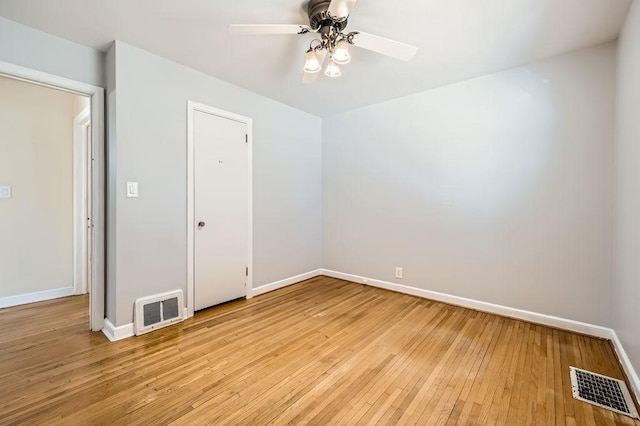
column 82, row 223
column 191, row 108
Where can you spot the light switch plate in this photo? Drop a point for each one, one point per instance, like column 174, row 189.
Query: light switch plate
column 5, row 191
column 132, row 189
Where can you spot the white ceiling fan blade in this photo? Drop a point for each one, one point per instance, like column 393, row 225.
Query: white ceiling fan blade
column 385, row 46
column 311, row 77
column 268, row 29
column 341, row 8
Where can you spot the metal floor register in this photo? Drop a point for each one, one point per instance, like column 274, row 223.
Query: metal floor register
column 603, row 391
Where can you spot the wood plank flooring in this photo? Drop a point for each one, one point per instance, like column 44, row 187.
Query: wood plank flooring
column 324, row 351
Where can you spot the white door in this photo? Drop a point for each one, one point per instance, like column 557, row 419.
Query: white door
column 220, row 209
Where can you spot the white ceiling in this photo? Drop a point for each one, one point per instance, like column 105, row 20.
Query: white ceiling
column 457, row 40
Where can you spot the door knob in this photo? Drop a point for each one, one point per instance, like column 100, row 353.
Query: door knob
column 201, row 225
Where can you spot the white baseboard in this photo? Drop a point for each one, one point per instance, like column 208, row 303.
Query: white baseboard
column 285, row 282
column 114, row 333
column 117, row 333
column 38, row 296
column 552, row 321
column 626, row 365
column 549, row 320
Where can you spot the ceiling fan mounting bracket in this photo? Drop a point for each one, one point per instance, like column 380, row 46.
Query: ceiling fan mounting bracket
column 320, row 18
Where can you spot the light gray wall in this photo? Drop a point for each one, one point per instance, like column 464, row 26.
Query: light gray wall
column 626, row 289
column 36, row 160
column 496, row 189
column 459, row 190
column 150, row 148
column 111, row 170
column 37, row 50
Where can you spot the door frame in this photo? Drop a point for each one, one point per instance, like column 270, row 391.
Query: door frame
column 81, row 201
column 96, row 95
column 192, row 107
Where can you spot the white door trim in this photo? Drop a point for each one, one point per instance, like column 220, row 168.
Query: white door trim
column 191, row 108
column 96, row 300
column 81, row 211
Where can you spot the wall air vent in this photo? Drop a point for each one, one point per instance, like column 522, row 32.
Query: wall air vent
column 159, row 310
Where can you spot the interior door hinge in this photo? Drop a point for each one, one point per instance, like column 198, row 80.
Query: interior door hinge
column 247, row 271
column 246, row 138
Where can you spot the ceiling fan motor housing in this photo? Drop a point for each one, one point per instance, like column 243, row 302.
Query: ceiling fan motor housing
column 319, row 16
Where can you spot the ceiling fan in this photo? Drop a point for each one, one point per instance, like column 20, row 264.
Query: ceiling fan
column 328, row 18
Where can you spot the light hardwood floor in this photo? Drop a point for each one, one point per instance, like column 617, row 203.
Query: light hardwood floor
column 324, row 351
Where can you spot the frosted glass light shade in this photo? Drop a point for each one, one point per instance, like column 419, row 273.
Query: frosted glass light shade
column 341, row 53
column 333, row 70
column 311, row 63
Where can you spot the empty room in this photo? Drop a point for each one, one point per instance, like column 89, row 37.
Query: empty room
column 319, row 212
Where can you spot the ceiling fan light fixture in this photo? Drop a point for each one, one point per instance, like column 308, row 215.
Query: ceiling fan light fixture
column 311, row 62
column 328, row 22
column 332, row 70
column 341, row 54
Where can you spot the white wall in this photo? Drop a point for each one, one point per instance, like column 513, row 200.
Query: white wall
column 36, row 142
column 626, row 290
column 37, row 50
column 148, row 143
column 496, row 189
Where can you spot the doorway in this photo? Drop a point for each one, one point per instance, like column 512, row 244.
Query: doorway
column 219, row 207
column 52, row 186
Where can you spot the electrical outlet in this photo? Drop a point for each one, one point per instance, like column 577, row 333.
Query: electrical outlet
column 398, row 272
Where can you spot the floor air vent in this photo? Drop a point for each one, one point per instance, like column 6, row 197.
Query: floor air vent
column 603, row 391
column 157, row 311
